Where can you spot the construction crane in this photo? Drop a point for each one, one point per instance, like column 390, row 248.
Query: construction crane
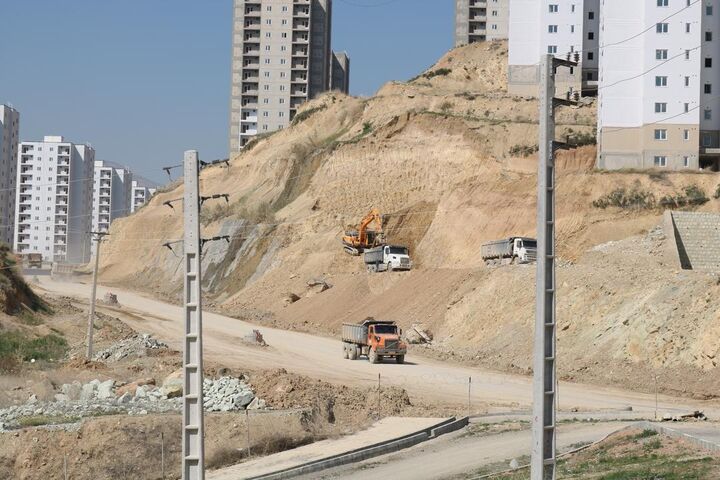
column 361, row 238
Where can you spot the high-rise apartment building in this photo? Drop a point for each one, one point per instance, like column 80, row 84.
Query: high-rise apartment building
column 112, row 194
column 564, row 28
column 142, row 191
column 281, row 57
column 481, row 20
column 340, row 72
column 9, row 139
column 659, row 84
column 54, row 200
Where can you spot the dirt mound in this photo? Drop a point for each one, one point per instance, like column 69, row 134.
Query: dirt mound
column 450, row 160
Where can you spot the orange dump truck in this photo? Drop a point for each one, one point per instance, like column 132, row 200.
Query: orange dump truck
column 374, row 338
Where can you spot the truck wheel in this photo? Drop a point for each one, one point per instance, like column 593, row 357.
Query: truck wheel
column 400, row 359
column 373, row 357
column 345, row 350
column 390, row 267
column 353, row 352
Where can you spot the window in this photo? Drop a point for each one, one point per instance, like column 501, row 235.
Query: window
column 687, row 107
column 661, row 28
column 553, row 8
column 266, row 114
column 552, row 48
column 268, row 22
column 687, row 28
column 708, row 88
column 708, row 10
column 686, row 134
column 660, row 161
column 687, row 81
column 687, row 54
column 590, row 55
column 660, row 134
column 591, row 35
column 661, row 54
column 552, row 29
column 660, row 107
column 589, row 76
column 662, row 3
column 708, row 36
column 708, row 114
column 661, row 81
column 591, row 15
column 281, row 114
column 686, row 161
column 707, row 140
column 572, row 28
column 708, row 63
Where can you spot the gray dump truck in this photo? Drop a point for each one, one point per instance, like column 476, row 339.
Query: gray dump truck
column 387, row 258
column 374, row 338
column 509, row 250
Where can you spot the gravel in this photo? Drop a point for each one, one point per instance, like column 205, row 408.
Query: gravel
column 135, row 346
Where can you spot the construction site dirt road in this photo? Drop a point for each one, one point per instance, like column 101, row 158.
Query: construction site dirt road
column 321, row 357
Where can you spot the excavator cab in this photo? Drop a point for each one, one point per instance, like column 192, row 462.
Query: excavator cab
column 358, row 240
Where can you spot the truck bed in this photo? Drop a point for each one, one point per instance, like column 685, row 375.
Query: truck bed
column 356, row 334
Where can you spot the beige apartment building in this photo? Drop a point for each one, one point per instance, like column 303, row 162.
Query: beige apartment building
column 481, row 20
column 281, row 58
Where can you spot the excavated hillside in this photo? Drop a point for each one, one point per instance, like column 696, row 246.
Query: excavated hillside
column 449, row 157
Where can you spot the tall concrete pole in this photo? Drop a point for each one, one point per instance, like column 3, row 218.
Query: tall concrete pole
column 91, row 317
column 543, row 461
column 193, row 449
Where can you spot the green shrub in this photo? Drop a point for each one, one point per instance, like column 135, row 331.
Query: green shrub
column 15, row 346
column 523, row 150
column 622, row 198
column 440, row 72
column 305, row 114
column 692, row 196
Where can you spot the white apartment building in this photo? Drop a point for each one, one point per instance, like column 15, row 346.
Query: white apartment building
column 9, row 139
column 54, row 200
column 659, row 84
column 281, row 58
column 141, row 193
column 481, row 20
column 112, row 194
column 563, row 28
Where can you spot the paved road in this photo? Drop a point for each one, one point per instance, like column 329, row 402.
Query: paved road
column 459, row 454
column 385, row 429
column 321, row 357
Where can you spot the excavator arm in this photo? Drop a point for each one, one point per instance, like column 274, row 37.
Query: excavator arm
column 357, row 241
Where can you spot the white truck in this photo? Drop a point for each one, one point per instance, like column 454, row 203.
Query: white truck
column 387, row 257
column 509, row 250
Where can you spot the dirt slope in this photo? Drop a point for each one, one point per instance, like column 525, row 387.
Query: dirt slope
column 448, row 157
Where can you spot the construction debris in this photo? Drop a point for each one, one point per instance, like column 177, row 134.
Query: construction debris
column 418, row 334
column 134, row 346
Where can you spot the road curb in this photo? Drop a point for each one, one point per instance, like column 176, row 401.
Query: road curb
column 670, row 432
column 364, row 453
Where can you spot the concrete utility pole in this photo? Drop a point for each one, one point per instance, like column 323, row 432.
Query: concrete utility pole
column 193, row 448
column 544, row 461
column 98, row 237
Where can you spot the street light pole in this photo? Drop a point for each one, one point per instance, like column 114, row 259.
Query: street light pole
column 98, row 237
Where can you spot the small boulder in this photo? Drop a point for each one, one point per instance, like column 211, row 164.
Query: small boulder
column 87, row 392
column 72, row 390
column 243, row 399
column 105, row 390
column 61, row 398
column 256, row 404
column 131, row 387
column 124, row 398
column 172, row 391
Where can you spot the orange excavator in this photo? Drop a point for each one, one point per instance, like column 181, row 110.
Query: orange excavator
column 361, row 238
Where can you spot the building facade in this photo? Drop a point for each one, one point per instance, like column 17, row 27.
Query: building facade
column 9, row 139
column 54, row 200
column 481, row 20
column 141, row 194
column 568, row 29
column 112, row 194
column 281, row 58
column 659, row 91
column 340, row 72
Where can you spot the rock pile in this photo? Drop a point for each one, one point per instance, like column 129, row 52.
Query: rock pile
column 135, row 346
column 75, row 400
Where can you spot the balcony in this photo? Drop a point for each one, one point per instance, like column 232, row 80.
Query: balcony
column 301, row 25
column 63, row 171
column 62, row 191
column 64, row 150
column 246, row 130
column 248, row 118
column 26, row 158
column 298, row 92
column 64, row 161
column 26, row 179
column 299, row 64
column 61, row 211
column 60, row 221
column 252, row 11
column 252, row 23
column 25, row 198
column 22, row 209
column 60, row 231
column 300, row 52
column 105, row 183
column 27, row 148
column 301, row 11
column 251, row 62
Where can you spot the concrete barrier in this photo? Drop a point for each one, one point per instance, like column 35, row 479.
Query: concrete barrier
column 671, row 432
column 371, row 451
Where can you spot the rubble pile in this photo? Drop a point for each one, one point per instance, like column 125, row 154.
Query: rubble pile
column 75, row 400
column 134, row 346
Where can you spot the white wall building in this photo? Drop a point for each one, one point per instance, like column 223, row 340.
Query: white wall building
column 659, row 90
column 54, row 200
column 112, row 194
column 558, row 27
column 142, row 191
column 9, row 139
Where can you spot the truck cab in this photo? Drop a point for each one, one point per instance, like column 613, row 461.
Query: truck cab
column 384, row 341
column 525, row 249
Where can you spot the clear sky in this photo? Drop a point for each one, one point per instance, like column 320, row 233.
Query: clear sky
column 145, row 80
